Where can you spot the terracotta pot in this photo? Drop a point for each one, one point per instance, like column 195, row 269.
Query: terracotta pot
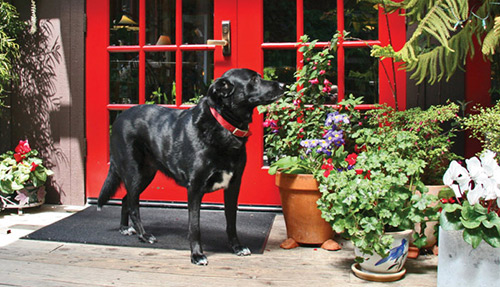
column 299, row 195
column 430, row 226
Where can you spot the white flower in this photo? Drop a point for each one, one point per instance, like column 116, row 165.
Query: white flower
column 457, row 178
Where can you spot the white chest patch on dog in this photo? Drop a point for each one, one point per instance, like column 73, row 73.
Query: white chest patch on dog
column 226, row 177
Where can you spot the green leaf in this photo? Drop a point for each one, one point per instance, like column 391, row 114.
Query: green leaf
column 473, row 237
column 450, row 221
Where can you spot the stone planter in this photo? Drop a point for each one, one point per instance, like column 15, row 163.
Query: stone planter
column 461, row 265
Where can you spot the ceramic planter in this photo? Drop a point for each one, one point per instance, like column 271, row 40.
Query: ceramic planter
column 299, row 195
column 34, row 196
column 390, row 268
column 461, row 265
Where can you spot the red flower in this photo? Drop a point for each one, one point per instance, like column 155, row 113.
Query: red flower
column 33, row 166
column 351, row 159
column 367, row 175
column 18, row 157
column 328, row 167
column 23, row 147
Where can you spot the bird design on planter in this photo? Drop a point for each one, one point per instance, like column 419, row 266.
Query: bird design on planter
column 396, row 254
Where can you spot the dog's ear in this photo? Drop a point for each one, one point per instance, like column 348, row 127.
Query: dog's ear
column 223, row 88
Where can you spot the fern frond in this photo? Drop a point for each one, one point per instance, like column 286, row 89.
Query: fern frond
column 492, row 40
column 439, row 62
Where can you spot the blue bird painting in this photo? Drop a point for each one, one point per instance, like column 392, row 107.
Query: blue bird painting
column 395, row 254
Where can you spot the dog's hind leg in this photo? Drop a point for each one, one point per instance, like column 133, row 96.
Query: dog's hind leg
column 135, row 185
column 125, row 229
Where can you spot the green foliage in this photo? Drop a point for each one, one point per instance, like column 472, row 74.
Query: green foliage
column 378, row 193
column 10, row 25
column 484, row 126
column 432, row 142
column 476, row 221
column 443, row 35
column 18, row 170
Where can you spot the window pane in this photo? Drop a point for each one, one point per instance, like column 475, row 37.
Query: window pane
column 361, row 74
column 280, row 21
column 361, row 19
column 279, row 65
column 197, row 74
column 320, row 19
column 160, row 22
column 124, row 26
column 197, row 21
column 124, row 75
column 160, row 78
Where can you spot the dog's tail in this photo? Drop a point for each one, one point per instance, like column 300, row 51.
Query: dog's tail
column 109, row 187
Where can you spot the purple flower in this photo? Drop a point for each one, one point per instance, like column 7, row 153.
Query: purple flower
column 336, row 118
column 335, row 137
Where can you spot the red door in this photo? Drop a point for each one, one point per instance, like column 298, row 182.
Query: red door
column 155, row 51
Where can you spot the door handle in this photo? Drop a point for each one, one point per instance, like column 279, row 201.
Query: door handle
column 226, row 39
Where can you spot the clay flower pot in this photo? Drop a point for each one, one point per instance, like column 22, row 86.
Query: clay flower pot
column 304, row 224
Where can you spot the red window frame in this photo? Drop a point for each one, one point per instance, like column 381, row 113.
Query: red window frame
column 392, row 30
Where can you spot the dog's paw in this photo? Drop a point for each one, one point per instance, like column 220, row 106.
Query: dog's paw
column 199, row 259
column 148, row 238
column 127, row 230
column 241, row 250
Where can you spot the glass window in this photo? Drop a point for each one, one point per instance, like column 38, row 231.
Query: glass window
column 361, row 19
column 197, row 21
column 320, row 19
column 124, row 26
column 197, row 74
column 361, row 74
column 279, row 65
column 280, row 21
column 123, row 78
column 160, row 22
column 160, row 78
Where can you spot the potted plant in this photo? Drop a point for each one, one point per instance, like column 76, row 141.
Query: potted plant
column 470, row 208
column 434, row 130
column 470, row 215
column 375, row 196
column 22, row 176
column 300, row 120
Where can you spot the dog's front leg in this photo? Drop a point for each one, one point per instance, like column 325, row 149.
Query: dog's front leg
column 230, row 209
column 194, row 204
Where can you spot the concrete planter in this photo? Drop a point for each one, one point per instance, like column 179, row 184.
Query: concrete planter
column 461, row 265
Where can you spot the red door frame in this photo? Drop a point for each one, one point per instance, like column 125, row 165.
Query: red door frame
column 247, row 29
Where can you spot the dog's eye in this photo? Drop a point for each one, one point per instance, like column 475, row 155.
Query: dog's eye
column 256, row 78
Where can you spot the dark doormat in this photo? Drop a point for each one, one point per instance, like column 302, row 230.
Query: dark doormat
column 168, row 225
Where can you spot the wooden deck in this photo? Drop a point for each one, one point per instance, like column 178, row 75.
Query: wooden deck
column 39, row 263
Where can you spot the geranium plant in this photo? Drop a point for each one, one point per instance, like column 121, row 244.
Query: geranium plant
column 301, row 128
column 434, row 130
column 472, row 202
column 20, row 170
column 377, row 193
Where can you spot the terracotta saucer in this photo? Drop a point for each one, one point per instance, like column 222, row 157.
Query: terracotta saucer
column 379, row 277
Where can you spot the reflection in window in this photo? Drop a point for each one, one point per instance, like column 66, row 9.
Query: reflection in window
column 123, row 74
column 320, row 19
column 361, row 75
column 280, row 21
column 279, row 65
column 160, row 78
column 197, row 75
column 124, row 26
column 197, row 21
column 361, row 19
column 160, row 22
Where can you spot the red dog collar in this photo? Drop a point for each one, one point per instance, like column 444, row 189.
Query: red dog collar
column 234, row 130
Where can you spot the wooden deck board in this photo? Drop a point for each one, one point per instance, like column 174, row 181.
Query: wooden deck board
column 40, row 263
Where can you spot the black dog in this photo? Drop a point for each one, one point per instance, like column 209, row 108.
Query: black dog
column 202, row 149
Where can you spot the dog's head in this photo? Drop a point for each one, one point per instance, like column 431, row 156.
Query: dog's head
column 243, row 89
